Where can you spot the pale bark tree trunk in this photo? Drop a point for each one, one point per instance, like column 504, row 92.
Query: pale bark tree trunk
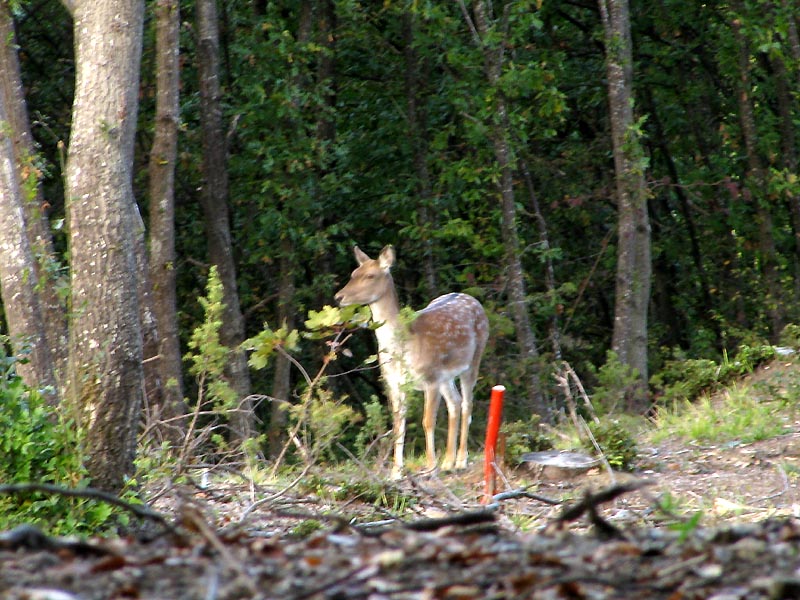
column 632, row 293
column 106, row 378
column 18, row 281
column 515, row 275
column 45, row 264
column 214, row 199
column 163, row 156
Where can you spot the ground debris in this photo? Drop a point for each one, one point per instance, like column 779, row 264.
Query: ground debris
column 760, row 560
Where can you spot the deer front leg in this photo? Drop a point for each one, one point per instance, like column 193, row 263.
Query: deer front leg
column 397, row 399
column 429, row 423
column 466, row 419
column 453, row 401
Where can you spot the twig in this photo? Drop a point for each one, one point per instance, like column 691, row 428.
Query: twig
column 600, row 452
column 483, row 515
column 523, row 493
column 591, row 501
column 91, row 493
column 193, row 518
column 276, row 495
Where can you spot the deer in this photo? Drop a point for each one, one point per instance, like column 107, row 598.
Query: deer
column 444, row 341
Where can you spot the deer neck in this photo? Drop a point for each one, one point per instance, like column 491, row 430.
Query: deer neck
column 386, row 310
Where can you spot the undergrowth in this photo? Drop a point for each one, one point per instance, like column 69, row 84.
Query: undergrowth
column 735, row 414
column 40, row 444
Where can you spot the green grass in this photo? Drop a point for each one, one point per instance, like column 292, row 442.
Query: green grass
column 738, row 413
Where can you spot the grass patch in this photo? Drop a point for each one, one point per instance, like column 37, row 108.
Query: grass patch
column 735, row 414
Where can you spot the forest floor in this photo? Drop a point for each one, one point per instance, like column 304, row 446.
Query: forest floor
column 713, row 521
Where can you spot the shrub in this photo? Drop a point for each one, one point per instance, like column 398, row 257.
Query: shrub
column 40, row 445
column 616, row 443
column 686, row 379
column 522, row 437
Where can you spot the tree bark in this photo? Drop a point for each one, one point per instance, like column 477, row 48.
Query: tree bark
column 37, row 229
column 163, row 157
column 214, row 200
column 632, row 292
column 106, row 379
column 419, row 149
column 18, row 276
column 756, row 183
column 515, row 277
column 282, row 381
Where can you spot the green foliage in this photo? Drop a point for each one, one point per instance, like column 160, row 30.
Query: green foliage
column 208, row 356
column 322, row 421
column 616, row 442
column 790, row 336
column 332, row 320
column 349, row 488
column 299, row 197
column 685, row 379
column 736, row 414
column 39, row 444
column 524, row 436
column 375, row 425
column 615, row 380
column 265, row 343
column 306, row 528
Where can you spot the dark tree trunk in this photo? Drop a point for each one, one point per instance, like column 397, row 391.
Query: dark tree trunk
column 214, row 200
column 282, row 382
column 419, row 149
column 632, row 293
column 549, row 272
column 163, row 156
column 515, row 275
column 756, row 183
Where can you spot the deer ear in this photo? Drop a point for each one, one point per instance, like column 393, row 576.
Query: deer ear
column 361, row 256
column 386, row 258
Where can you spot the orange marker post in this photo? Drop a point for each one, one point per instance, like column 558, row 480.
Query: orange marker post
column 492, row 429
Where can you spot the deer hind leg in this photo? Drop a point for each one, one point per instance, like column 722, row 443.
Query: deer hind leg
column 453, row 401
column 429, row 422
column 468, row 380
column 397, row 399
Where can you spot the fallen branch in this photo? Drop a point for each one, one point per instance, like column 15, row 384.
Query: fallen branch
column 475, row 517
column 590, row 502
column 140, row 511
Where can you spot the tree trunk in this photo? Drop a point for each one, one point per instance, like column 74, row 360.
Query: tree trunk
column 549, row 272
column 45, row 265
column 756, row 183
column 163, row 156
column 214, row 200
column 632, row 293
column 282, row 382
column 18, row 276
column 419, row 148
column 106, row 378
column 515, row 275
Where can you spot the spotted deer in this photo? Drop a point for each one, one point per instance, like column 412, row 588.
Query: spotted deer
column 443, row 341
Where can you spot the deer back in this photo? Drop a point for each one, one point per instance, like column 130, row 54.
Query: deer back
column 447, row 337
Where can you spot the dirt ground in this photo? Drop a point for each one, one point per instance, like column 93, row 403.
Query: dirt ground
column 714, row 522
